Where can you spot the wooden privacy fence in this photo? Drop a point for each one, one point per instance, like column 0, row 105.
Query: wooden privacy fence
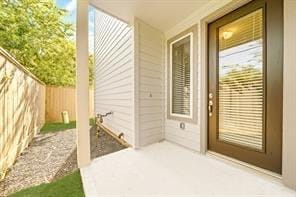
column 22, row 109
column 59, row 99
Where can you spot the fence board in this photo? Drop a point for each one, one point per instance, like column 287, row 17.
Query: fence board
column 59, row 99
column 22, row 109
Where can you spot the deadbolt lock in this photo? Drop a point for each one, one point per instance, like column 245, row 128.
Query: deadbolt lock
column 210, row 95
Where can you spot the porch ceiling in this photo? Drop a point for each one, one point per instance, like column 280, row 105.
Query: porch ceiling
column 161, row 14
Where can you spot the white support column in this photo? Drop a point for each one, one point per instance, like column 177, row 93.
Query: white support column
column 289, row 123
column 82, row 86
column 135, row 30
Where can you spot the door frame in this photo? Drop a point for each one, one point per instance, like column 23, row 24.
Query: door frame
column 270, row 157
column 228, row 8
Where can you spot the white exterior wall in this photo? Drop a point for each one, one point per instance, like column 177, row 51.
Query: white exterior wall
column 191, row 135
column 114, row 74
column 188, row 137
column 150, row 64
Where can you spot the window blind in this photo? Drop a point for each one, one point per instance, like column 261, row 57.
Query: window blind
column 181, row 77
column 241, row 84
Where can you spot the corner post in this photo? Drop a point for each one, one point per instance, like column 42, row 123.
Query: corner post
column 82, row 85
column 289, row 95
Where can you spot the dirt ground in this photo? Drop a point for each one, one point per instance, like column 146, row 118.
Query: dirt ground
column 102, row 145
column 52, row 156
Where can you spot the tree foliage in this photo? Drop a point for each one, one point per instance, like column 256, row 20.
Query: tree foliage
column 35, row 33
column 243, row 78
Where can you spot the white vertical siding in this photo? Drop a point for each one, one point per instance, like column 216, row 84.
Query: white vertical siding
column 114, row 73
column 150, row 60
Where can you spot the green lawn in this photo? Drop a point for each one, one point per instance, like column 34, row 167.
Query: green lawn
column 59, row 126
column 68, row 186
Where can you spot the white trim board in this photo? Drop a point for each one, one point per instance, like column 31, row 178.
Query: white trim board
column 191, row 76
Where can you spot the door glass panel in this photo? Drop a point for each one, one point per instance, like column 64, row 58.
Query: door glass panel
column 241, row 84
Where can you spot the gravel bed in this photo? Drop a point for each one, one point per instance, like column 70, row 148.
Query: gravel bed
column 52, row 156
column 69, row 166
column 40, row 162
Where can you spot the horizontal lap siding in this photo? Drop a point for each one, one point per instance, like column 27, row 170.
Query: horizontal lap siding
column 114, row 74
column 188, row 137
column 151, row 87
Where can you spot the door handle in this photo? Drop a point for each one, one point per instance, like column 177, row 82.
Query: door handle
column 210, row 107
column 210, row 104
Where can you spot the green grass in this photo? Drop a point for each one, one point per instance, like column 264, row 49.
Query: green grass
column 68, row 186
column 57, row 126
column 50, row 127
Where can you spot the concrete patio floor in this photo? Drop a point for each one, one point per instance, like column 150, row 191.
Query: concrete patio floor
column 166, row 169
